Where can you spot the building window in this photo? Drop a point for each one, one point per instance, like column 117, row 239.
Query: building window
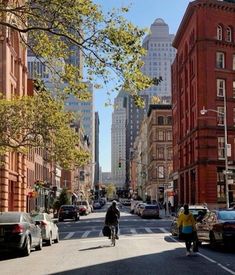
column 160, row 120
column 160, row 135
column 219, row 32
column 220, row 60
column 234, row 88
column 220, row 115
column 160, row 153
column 221, row 148
column 169, row 135
column 169, row 120
column 228, row 34
column 160, row 172
column 234, row 117
column 220, row 87
column 169, row 153
column 234, row 62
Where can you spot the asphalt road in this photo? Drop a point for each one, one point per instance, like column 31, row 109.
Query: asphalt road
column 144, row 247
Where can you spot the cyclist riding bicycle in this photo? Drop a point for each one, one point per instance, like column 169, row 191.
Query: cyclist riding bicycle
column 112, row 217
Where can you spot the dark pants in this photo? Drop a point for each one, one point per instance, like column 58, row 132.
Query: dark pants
column 188, row 238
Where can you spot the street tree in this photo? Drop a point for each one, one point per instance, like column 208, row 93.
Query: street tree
column 40, row 122
column 109, row 45
column 111, row 191
column 63, row 199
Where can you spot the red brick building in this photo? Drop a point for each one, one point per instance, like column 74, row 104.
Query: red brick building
column 202, row 74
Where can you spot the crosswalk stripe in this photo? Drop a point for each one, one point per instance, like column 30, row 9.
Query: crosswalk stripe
column 85, row 234
column 148, row 230
column 163, row 230
column 133, row 231
column 70, row 235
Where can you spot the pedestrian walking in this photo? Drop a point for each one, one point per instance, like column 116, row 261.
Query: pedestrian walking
column 169, row 207
column 164, row 205
column 186, row 221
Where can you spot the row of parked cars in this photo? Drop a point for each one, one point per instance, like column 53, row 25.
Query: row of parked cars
column 81, row 208
column 213, row 226
column 20, row 231
column 145, row 210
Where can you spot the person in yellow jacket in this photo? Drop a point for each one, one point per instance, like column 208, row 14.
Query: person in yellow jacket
column 186, row 222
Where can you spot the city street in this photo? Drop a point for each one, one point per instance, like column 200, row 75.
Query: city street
column 144, row 247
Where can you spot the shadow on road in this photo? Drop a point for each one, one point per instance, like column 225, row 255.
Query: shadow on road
column 152, row 264
column 94, row 247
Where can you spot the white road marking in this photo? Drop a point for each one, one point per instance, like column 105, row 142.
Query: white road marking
column 148, row 230
column 70, row 235
column 200, row 254
column 163, row 230
column 85, row 234
column 133, row 231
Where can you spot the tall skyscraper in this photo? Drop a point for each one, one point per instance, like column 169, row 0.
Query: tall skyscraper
column 118, row 140
column 157, row 62
column 159, row 57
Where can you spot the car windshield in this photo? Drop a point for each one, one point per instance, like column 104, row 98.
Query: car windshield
column 38, row 217
column 226, row 215
column 151, row 207
column 82, row 203
column 67, row 207
column 9, row 217
column 195, row 212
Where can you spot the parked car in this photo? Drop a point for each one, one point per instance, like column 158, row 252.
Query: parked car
column 149, row 210
column 133, row 205
column 19, row 233
column 50, row 231
column 217, row 227
column 96, row 205
column 84, row 207
column 194, row 209
column 68, row 212
column 138, row 208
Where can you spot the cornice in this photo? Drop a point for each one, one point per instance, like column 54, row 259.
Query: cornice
column 198, row 4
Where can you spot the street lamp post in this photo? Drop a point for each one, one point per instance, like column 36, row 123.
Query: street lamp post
column 224, row 113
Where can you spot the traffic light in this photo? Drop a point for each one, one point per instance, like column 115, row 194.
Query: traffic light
column 119, row 165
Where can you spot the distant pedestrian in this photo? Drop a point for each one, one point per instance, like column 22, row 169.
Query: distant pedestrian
column 164, row 205
column 169, row 207
column 186, row 221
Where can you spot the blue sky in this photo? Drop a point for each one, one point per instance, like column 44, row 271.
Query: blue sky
column 142, row 13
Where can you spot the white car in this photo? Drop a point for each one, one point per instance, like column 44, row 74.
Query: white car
column 49, row 229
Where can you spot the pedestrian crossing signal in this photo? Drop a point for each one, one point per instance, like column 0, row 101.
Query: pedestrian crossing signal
column 119, row 165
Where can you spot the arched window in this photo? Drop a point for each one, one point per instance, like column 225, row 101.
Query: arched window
column 228, row 34
column 219, row 32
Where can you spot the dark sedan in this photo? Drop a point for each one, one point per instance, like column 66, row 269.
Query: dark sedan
column 19, row 233
column 217, row 227
column 68, row 212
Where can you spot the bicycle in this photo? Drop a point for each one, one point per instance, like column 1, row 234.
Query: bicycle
column 113, row 235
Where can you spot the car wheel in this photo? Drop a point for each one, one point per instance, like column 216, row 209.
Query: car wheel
column 39, row 246
column 57, row 238
column 27, row 248
column 49, row 242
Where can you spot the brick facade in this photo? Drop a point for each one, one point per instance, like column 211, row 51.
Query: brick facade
column 207, row 29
